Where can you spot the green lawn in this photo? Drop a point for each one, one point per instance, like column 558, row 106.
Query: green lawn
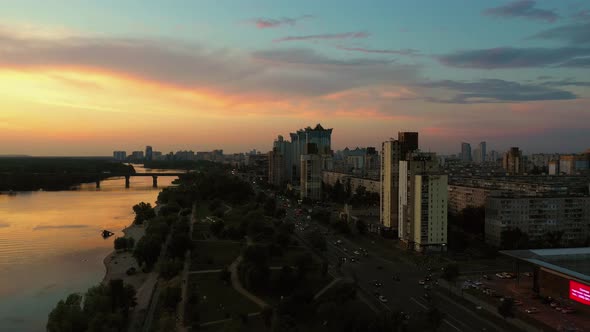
column 209, row 255
column 221, row 300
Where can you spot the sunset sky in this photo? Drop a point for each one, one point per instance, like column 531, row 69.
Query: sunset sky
column 90, row 77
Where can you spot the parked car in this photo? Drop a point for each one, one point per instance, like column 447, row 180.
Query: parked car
column 383, row 299
column 517, row 302
column 532, row 310
column 487, row 277
column 422, row 282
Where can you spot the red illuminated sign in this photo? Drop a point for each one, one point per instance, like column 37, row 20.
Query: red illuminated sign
column 580, row 292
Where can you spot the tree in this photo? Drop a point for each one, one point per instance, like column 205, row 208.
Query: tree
column 514, row 238
column 338, row 193
column 361, row 226
column 270, row 206
column 317, row 240
column 225, row 275
column 143, row 211
column 435, row 318
column 304, row 263
column 450, row 273
column 120, row 243
column 506, row 308
column 170, row 268
column 217, row 227
column 67, row 316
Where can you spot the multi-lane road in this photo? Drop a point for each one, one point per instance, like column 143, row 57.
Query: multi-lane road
column 405, row 294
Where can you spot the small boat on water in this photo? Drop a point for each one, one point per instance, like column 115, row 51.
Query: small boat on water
column 106, row 234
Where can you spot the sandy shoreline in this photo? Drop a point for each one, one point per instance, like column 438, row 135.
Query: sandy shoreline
column 118, row 262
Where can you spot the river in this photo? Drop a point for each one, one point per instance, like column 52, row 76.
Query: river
column 51, row 246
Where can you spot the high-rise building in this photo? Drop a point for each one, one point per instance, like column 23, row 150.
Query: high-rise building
column 119, row 155
column 423, row 197
column 477, row 156
column 465, row 152
column 513, row 162
column 148, row 153
column 392, row 152
column 285, row 149
column 408, row 141
column 276, row 168
column 311, row 175
column 493, row 156
column 482, row 152
column 311, row 148
column 137, row 155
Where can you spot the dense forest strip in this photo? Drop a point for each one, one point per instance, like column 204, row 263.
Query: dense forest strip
column 55, row 173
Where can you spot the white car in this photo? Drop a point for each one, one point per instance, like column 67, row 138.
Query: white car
column 383, row 299
column 356, row 252
column 532, row 310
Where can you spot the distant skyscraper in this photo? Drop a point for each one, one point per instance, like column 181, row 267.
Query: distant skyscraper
column 322, row 142
column 137, row 155
column 119, row 155
column 148, row 153
column 513, row 162
column 482, row 152
column 465, row 152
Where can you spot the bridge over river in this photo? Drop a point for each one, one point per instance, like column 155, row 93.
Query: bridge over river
column 128, row 176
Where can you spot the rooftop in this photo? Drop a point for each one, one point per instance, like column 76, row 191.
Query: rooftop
column 574, row 262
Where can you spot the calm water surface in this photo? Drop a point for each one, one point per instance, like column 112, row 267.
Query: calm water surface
column 50, row 244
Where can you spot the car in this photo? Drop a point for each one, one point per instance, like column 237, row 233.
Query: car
column 554, row 304
column 356, row 252
column 532, row 310
column 345, row 250
column 377, row 283
column 422, row 282
column 352, row 260
column 427, row 287
column 528, row 274
column 517, row 302
column 478, row 307
column 568, row 310
column 383, row 299
column 487, row 277
column 500, row 275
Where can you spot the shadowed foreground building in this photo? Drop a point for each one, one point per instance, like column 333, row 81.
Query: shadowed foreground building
column 392, row 152
column 423, row 197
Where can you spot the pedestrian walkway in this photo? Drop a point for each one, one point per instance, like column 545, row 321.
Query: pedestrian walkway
column 237, row 285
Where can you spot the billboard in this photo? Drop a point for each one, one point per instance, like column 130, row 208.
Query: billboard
column 580, row 292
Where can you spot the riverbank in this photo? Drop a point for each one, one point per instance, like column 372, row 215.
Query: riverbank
column 117, row 263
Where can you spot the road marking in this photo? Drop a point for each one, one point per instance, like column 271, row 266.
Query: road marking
column 444, row 320
column 451, row 325
column 418, row 303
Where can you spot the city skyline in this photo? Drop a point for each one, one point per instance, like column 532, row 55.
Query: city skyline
column 211, row 75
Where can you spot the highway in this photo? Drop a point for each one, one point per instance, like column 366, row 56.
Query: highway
column 405, row 295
